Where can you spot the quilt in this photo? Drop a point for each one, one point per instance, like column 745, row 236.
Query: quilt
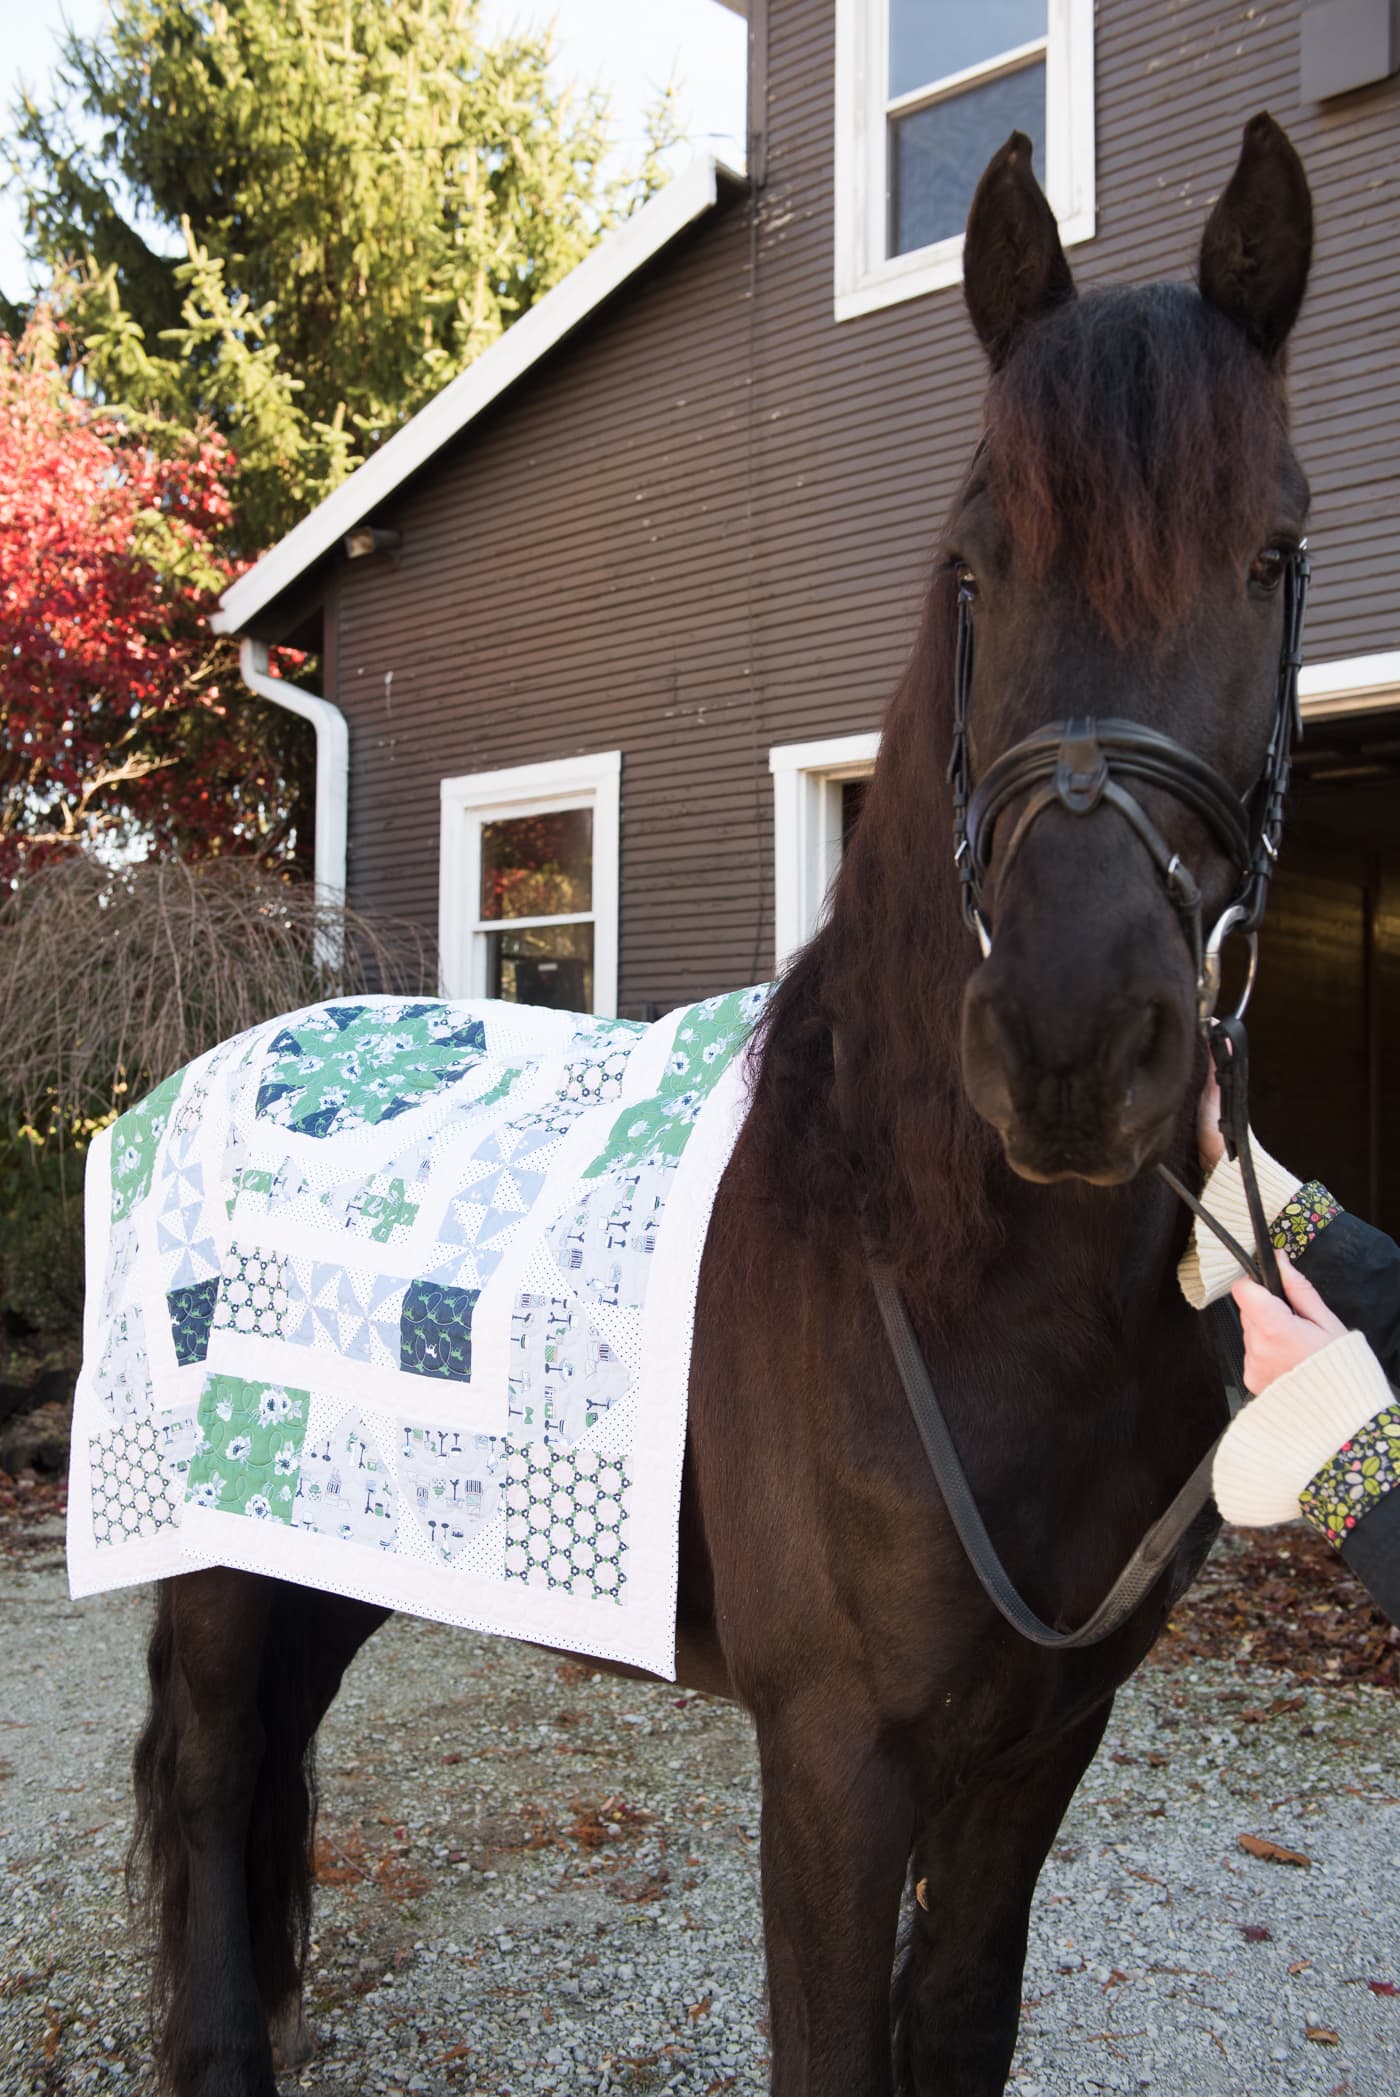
column 396, row 1297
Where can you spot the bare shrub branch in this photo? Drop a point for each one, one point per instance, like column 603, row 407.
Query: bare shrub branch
column 110, row 978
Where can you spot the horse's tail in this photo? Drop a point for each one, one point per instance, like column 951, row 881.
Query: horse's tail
column 281, row 1824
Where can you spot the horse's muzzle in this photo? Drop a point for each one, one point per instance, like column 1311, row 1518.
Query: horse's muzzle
column 1100, row 1108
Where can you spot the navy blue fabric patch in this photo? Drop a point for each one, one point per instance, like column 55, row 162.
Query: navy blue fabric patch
column 319, row 1123
column 267, row 1094
column 435, row 1330
column 191, row 1316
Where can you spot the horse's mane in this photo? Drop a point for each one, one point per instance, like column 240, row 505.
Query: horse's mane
column 858, row 1143
column 1137, row 431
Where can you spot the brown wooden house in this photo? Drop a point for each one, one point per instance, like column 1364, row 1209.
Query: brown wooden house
column 607, row 630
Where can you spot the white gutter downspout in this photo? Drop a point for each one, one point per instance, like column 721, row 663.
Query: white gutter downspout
column 332, row 775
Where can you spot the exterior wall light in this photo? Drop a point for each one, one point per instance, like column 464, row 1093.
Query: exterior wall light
column 367, row 539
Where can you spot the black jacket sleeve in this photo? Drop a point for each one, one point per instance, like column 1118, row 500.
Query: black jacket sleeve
column 1372, row 1550
column 1356, row 1272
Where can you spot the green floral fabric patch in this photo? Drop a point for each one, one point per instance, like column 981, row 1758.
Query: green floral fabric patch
column 248, row 1448
column 1301, row 1219
column 135, row 1141
column 352, row 1066
column 706, row 1042
column 1356, row 1479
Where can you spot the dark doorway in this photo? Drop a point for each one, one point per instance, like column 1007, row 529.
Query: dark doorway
column 1324, row 1026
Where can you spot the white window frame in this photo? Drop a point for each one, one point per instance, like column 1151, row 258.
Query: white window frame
column 807, row 783
column 1355, row 684
column 866, row 277
column 476, row 798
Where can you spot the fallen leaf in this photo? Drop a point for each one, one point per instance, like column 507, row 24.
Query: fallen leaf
column 1255, row 1933
column 921, row 1894
column 1271, row 1852
column 1321, row 2035
column 1383, row 1988
column 697, row 2009
column 1300, row 1966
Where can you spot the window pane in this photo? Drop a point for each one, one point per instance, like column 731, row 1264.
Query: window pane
column 544, row 965
column 537, row 865
column 929, row 39
column 937, row 154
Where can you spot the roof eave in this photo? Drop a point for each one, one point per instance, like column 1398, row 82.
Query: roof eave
column 629, row 248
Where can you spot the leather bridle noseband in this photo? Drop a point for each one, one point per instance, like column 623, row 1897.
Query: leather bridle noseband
column 1080, row 765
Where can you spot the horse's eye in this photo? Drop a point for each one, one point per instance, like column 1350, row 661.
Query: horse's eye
column 1266, row 569
column 966, row 581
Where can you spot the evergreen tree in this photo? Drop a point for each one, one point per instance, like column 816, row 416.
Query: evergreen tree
column 294, row 220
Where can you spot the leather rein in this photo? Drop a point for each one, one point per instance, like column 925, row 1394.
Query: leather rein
column 1081, row 765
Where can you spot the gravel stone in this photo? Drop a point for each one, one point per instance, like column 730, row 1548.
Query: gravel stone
column 539, row 1879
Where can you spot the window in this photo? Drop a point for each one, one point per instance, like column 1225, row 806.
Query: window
column 926, row 90
column 817, row 793
column 527, row 908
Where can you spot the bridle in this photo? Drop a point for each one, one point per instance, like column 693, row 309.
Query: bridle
column 1081, row 765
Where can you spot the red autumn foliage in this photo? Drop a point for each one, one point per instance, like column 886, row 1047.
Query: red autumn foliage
column 114, row 714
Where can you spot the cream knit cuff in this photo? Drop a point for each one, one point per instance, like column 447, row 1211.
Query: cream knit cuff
column 1282, row 1439
column 1206, row 1271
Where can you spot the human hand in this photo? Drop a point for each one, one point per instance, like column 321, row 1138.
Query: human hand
column 1209, row 1140
column 1277, row 1336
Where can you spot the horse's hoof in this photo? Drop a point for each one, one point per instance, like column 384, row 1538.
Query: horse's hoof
column 293, row 2041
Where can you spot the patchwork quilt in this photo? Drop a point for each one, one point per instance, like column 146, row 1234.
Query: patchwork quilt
column 395, row 1298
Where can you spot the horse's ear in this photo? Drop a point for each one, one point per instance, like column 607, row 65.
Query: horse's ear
column 1014, row 268
column 1258, row 240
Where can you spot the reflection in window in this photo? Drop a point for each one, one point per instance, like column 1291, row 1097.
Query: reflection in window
column 536, row 903
column 938, row 153
column 929, row 39
column 542, row 965
column 537, row 865
column 961, row 79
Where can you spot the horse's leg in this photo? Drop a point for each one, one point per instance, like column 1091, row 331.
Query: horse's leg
column 196, row 1772
column 242, row 1670
column 838, row 1819
column 976, row 1862
column 311, row 1640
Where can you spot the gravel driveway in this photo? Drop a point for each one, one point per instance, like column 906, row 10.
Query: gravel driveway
column 535, row 1879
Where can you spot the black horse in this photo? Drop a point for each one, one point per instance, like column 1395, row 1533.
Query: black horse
column 1117, row 548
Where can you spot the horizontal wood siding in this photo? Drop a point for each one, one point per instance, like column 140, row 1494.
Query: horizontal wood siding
column 704, row 525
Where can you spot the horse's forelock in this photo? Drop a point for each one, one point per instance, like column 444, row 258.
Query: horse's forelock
column 1136, row 438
